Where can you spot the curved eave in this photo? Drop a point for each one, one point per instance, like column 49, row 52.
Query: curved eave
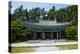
column 40, row 28
column 43, row 26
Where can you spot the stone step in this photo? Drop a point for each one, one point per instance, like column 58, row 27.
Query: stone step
column 45, row 41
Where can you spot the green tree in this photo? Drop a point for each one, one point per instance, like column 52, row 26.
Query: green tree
column 35, row 13
column 18, row 13
column 51, row 13
column 43, row 14
column 71, row 32
column 18, row 31
column 25, row 14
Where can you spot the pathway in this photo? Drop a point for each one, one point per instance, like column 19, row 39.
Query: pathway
column 42, row 44
column 40, row 49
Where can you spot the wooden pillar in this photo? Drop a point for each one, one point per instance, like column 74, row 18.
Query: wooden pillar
column 51, row 35
column 34, row 35
column 60, row 35
column 57, row 35
column 43, row 35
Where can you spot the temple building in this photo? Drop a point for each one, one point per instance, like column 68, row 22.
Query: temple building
column 45, row 29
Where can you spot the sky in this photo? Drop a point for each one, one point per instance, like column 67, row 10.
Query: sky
column 30, row 5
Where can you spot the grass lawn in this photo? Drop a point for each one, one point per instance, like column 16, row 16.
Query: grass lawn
column 67, row 47
column 71, row 40
column 22, row 49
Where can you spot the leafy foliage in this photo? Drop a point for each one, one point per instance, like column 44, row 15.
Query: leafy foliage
column 71, row 32
column 18, row 31
column 51, row 13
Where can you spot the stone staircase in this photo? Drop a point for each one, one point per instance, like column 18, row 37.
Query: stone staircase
column 45, row 41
